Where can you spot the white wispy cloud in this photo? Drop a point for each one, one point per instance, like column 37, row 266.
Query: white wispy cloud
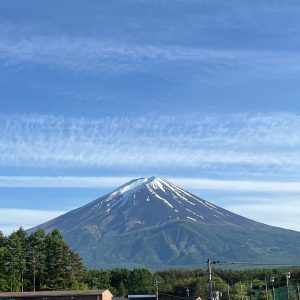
column 238, row 185
column 113, row 182
column 61, row 182
column 269, row 141
column 86, row 54
column 11, row 218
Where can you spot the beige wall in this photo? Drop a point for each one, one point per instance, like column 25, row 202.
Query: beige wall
column 107, row 295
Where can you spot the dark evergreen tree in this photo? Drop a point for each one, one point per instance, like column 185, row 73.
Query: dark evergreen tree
column 4, row 286
column 21, row 233
column 119, row 281
column 15, row 260
column 35, row 258
column 56, row 262
column 39, row 262
column 78, row 272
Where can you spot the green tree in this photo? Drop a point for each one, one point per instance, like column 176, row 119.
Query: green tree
column 39, row 262
column 92, row 279
column 78, row 271
column 240, row 291
column 4, row 286
column 200, row 288
column 56, row 262
column 141, row 281
column 21, row 234
column 118, row 275
column 122, row 291
column 15, row 260
column 35, row 259
column 99, row 279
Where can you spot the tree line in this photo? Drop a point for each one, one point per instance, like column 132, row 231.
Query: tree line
column 43, row 261
column 187, row 283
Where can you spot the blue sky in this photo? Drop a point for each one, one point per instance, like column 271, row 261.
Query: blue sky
column 203, row 93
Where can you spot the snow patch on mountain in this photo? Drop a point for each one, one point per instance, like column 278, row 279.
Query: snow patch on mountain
column 165, row 201
column 125, row 192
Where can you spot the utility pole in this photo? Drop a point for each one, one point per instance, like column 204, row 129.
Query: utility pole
column 210, row 285
column 187, row 292
column 266, row 288
column 298, row 291
column 156, row 283
column 287, row 276
column 273, row 291
column 210, row 279
column 250, row 289
column 228, row 292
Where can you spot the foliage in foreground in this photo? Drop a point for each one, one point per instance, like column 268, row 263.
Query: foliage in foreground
column 45, row 262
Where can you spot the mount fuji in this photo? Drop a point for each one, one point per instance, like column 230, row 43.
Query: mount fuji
column 150, row 222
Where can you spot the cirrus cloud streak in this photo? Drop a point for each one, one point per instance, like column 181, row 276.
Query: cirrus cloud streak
column 94, row 55
column 264, row 142
column 113, row 182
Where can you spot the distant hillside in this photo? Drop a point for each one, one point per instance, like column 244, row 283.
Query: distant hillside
column 151, row 222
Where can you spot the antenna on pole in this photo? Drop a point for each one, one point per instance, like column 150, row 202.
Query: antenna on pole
column 213, row 295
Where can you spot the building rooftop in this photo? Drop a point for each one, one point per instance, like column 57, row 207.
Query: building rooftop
column 52, row 293
column 142, row 296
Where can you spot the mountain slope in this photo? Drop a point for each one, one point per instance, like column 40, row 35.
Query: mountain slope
column 151, row 222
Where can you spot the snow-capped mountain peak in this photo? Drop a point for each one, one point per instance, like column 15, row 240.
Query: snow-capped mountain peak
column 151, row 201
column 154, row 200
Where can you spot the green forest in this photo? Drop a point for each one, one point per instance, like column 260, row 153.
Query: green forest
column 43, row 261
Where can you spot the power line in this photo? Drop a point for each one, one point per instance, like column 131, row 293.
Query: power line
column 258, row 264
